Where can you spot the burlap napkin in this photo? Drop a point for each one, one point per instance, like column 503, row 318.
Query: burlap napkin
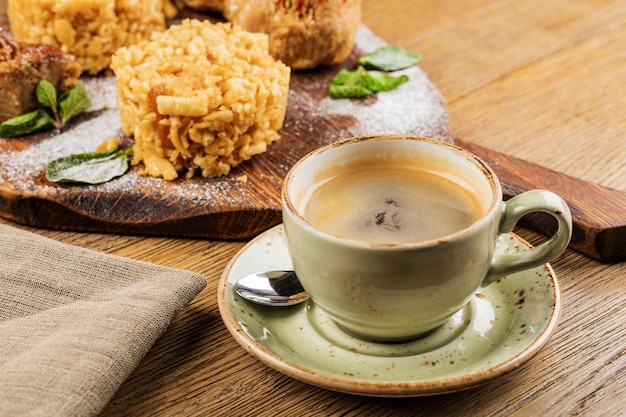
column 74, row 323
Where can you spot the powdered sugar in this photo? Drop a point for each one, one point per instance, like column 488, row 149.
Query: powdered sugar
column 416, row 108
column 410, row 109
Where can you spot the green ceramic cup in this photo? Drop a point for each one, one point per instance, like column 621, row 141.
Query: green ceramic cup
column 385, row 291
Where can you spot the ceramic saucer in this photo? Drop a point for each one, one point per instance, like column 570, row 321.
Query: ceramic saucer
column 503, row 326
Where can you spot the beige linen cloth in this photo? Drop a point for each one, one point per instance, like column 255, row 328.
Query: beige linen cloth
column 74, row 323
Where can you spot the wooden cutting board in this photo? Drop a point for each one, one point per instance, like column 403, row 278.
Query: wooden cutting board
column 231, row 208
column 220, row 207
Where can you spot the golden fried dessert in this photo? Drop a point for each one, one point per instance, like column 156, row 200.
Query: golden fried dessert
column 200, row 98
column 91, row 30
column 23, row 65
column 302, row 33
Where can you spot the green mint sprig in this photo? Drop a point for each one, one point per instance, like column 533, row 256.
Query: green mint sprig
column 389, row 58
column 70, row 104
column 361, row 82
column 24, row 124
column 88, row 168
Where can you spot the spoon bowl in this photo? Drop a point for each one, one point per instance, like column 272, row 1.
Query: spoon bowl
column 272, row 288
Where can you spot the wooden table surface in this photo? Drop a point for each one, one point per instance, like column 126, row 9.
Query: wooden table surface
column 543, row 80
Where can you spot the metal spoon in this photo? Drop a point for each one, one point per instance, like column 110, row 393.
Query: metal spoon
column 273, row 288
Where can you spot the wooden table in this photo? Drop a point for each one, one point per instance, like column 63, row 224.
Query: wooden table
column 540, row 79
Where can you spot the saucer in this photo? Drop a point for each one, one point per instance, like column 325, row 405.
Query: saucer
column 503, row 326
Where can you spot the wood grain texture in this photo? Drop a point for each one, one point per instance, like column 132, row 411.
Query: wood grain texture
column 540, row 80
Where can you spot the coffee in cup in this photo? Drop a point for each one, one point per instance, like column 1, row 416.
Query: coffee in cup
column 391, row 235
column 390, row 199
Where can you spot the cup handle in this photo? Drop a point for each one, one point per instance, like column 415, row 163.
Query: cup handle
column 514, row 209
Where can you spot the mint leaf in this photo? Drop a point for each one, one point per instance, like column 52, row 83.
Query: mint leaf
column 349, row 84
column 25, row 124
column 379, row 81
column 46, row 94
column 389, row 58
column 361, row 83
column 73, row 102
column 70, row 104
column 88, row 168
